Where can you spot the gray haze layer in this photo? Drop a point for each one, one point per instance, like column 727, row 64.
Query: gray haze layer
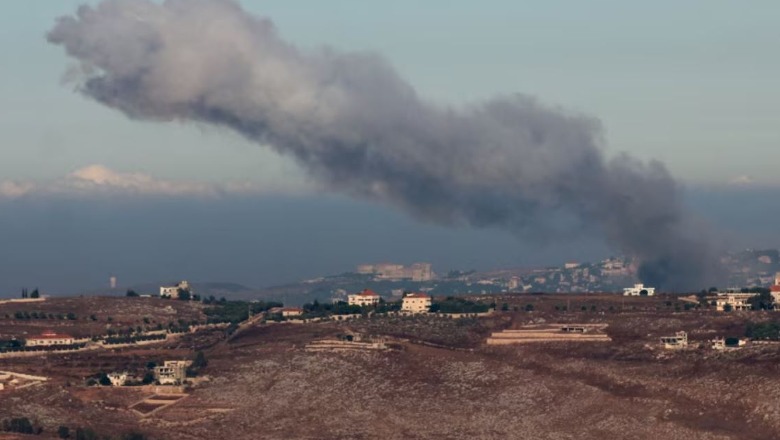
column 358, row 128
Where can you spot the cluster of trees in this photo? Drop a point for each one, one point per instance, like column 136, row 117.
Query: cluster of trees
column 198, row 364
column 11, row 345
column 47, row 347
column 235, row 311
column 21, row 425
column 527, row 308
column 33, row 294
column 89, row 434
column 132, row 339
column 212, row 300
column 769, row 330
column 24, row 315
column 186, row 295
column 763, row 299
column 452, row 304
column 316, row 309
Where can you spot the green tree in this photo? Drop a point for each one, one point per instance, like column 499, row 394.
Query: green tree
column 104, row 380
column 731, row 342
column 504, row 307
column 131, row 293
column 21, row 425
column 35, row 294
column 198, row 363
column 762, row 301
column 86, row 434
column 63, row 432
column 529, row 307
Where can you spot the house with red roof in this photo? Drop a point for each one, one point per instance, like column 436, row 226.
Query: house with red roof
column 291, row 311
column 416, row 303
column 365, row 298
column 775, row 292
column 49, row 338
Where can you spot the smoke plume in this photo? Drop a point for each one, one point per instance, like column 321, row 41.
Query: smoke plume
column 360, row 129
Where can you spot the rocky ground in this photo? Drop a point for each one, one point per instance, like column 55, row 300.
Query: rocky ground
column 440, row 381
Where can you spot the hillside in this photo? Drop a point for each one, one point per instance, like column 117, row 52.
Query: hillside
column 437, row 379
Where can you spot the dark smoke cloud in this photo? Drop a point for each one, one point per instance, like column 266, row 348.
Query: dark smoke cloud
column 356, row 126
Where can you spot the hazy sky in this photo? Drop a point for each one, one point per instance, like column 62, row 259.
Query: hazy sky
column 692, row 83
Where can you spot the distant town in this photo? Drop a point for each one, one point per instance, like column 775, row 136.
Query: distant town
column 746, row 268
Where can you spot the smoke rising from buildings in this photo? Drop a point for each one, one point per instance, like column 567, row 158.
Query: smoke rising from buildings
column 359, row 128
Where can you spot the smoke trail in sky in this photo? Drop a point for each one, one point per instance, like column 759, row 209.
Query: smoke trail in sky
column 359, row 128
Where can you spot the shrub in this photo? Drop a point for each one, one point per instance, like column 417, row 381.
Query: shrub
column 86, row 434
column 21, row 425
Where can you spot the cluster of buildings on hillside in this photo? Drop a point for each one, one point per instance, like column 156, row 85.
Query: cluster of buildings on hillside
column 744, row 268
column 604, row 276
column 736, row 299
column 751, row 267
column 680, row 341
column 410, row 303
column 169, row 373
column 398, row 272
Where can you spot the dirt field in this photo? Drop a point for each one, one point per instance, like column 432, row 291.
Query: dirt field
column 442, row 381
column 92, row 316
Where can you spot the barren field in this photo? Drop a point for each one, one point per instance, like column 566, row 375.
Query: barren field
column 440, row 380
column 91, row 316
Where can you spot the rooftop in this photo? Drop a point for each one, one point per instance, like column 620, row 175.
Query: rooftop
column 417, row 295
column 367, row 292
column 51, row 335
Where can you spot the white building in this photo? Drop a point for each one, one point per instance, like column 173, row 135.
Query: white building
column 416, row 303
column 117, row 379
column 291, row 311
column 679, row 340
column 365, row 298
column 639, row 290
column 171, row 372
column 720, row 344
column 173, row 291
column 735, row 301
column 49, row 338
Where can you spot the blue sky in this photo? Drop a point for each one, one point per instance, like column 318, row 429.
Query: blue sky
column 690, row 83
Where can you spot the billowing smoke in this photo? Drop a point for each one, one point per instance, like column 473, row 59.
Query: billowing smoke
column 359, row 128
